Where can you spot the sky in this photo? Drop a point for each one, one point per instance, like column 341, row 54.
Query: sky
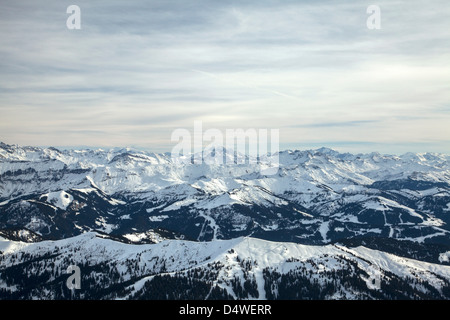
column 138, row 70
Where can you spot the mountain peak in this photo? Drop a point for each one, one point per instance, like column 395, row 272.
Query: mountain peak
column 328, row 151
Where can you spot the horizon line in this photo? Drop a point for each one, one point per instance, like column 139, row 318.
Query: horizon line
column 149, row 150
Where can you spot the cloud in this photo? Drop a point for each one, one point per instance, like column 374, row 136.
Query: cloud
column 138, row 69
column 337, row 124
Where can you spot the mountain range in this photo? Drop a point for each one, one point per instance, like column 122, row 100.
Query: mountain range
column 326, row 225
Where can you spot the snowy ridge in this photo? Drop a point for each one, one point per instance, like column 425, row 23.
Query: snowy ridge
column 117, row 170
column 317, row 196
column 110, row 169
column 226, row 262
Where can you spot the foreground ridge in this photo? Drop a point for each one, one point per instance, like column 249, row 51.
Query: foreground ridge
column 241, row 268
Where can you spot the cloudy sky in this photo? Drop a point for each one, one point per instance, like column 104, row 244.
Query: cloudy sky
column 137, row 70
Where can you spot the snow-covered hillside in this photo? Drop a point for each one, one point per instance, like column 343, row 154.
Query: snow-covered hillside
column 241, row 268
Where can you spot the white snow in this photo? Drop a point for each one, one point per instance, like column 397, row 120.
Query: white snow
column 116, row 202
column 323, row 229
column 322, row 180
column 150, row 210
column 300, row 172
column 104, row 226
column 269, row 227
column 383, row 204
column 444, row 257
column 60, row 199
column 216, row 202
column 7, row 246
column 177, row 205
column 136, row 237
column 440, row 232
column 307, row 215
column 181, row 255
column 433, row 221
column 158, row 218
column 431, row 192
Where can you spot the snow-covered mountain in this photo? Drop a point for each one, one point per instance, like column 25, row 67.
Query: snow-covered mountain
column 317, row 196
column 141, row 225
column 241, row 268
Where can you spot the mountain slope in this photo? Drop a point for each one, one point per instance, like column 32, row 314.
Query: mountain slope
column 241, row 268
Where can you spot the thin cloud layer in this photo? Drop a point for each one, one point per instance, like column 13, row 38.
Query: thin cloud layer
column 138, row 70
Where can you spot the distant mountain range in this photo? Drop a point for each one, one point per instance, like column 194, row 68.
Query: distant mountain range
column 374, row 214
